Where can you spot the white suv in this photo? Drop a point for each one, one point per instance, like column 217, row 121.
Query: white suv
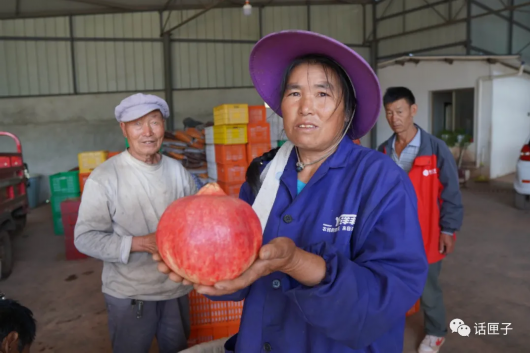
column 522, row 178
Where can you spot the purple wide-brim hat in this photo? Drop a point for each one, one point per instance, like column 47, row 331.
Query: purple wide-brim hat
column 271, row 56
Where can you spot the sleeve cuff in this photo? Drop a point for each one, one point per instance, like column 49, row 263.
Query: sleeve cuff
column 125, row 248
column 448, row 232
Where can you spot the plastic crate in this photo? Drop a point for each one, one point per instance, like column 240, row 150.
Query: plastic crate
column 83, row 177
column 58, row 227
column 231, row 189
column 211, row 332
column 205, row 311
column 414, row 309
column 232, row 173
column 230, row 134
column 230, row 154
column 57, row 199
column 210, row 153
column 212, row 171
column 257, row 114
column 65, row 183
column 227, row 114
column 88, row 161
column 255, row 150
column 258, row 133
column 208, row 135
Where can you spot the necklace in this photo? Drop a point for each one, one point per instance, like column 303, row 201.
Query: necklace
column 300, row 165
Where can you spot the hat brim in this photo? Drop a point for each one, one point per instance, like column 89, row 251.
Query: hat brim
column 138, row 111
column 273, row 53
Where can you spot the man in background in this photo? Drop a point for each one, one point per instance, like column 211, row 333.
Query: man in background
column 122, row 203
column 433, row 172
column 17, row 327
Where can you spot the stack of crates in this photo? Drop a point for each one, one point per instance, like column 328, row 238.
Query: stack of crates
column 88, row 161
column 63, row 186
column 211, row 320
column 258, row 132
column 226, row 152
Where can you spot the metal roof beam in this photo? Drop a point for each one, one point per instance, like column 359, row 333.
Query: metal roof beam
column 453, row 22
column 112, row 5
column 507, row 8
column 419, row 8
column 191, row 18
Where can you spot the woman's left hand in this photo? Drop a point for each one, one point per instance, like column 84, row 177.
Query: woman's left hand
column 281, row 254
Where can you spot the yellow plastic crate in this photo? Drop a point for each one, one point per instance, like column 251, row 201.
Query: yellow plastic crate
column 88, row 161
column 230, row 134
column 227, row 114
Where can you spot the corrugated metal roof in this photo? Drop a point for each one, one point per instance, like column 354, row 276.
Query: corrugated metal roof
column 44, row 8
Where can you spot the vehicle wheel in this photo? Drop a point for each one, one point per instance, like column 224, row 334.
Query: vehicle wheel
column 20, row 223
column 6, row 255
column 522, row 201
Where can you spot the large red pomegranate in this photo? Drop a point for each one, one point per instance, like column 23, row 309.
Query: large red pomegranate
column 209, row 237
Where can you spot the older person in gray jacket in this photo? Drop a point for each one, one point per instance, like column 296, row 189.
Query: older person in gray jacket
column 122, row 202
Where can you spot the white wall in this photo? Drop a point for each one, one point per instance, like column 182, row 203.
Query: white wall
column 53, row 130
column 199, row 104
column 501, row 120
column 422, row 79
column 510, row 123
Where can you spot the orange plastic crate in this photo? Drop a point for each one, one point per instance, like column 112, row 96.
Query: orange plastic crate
column 83, row 177
column 232, row 173
column 257, row 149
column 257, row 114
column 231, row 189
column 414, row 309
column 258, row 133
column 205, row 311
column 227, row 154
column 210, row 332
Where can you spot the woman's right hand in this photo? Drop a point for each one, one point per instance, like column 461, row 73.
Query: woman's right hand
column 162, row 267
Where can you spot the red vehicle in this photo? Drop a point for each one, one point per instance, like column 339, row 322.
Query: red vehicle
column 14, row 205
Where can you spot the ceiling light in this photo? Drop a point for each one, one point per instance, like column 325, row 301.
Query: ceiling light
column 247, row 8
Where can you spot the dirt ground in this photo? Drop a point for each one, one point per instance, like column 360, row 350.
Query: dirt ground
column 486, row 280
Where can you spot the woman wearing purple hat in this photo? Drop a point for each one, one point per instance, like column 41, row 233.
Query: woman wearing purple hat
column 343, row 259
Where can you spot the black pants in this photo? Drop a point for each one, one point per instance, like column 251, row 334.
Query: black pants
column 167, row 320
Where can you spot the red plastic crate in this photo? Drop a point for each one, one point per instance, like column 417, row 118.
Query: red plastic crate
column 69, row 213
column 70, row 206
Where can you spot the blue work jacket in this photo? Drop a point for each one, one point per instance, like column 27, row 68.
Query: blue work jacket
column 359, row 213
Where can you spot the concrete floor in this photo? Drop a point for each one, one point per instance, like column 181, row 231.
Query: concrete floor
column 487, row 279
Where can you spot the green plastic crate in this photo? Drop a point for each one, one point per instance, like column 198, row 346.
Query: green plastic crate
column 65, row 183
column 56, row 200
column 126, row 143
column 58, row 227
